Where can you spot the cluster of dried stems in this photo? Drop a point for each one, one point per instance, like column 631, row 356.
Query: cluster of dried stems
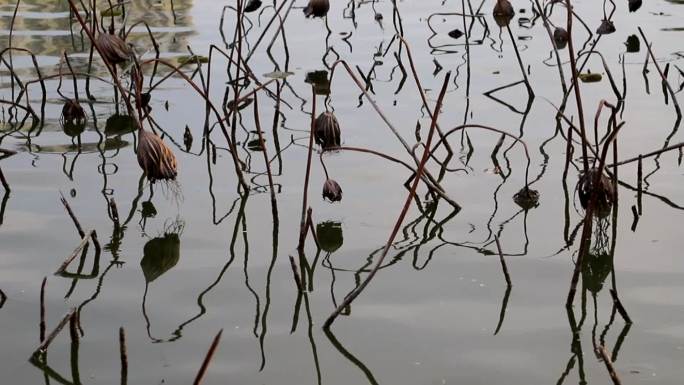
column 598, row 179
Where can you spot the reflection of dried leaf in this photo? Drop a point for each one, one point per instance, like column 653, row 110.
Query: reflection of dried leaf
column 590, row 77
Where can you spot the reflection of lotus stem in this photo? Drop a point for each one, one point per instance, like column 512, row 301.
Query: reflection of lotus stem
column 421, row 167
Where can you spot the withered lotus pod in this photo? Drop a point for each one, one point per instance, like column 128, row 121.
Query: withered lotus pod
column 607, row 27
column 72, row 111
column 332, row 191
column 604, row 191
column 156, row 158
column 503, row 12
column 327, row 130
column 252, row 5
column 317, row 8
column 114, row 49
column 526, row 198
column 560, row 38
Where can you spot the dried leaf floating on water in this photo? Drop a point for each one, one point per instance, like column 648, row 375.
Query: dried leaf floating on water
column 560, row 38
column 185, row 59
column 156, row 158
column 114, row 49
column 332, row 191
column 604, row 191
column 116, row 11
column 317, row 8
column 327, row 130
column 590, row 77
column 607, row 27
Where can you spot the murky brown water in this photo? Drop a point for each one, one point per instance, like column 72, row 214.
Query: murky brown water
column 439, row 311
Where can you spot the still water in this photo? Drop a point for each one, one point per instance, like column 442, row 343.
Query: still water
column 192, row 259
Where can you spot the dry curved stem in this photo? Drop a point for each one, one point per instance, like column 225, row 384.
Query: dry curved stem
column 422, row 94
column 421, row 167
column 110, row 68
column 305, row 189
column 517, row 139
column 575, row 85
column 392, row 128
column 425, row 180
column 662, row 75
column 207, row 358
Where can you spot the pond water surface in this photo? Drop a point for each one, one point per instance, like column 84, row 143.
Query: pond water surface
column 194, row 258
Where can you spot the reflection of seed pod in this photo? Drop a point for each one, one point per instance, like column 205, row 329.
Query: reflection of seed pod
column 604, row 192
column 252, row 5
column 148, row 210
column 634, row 5
column 320, row 81
column 527, row 198
column 114, row 49
column 119, row 125
column 596, row 267
column 633, row 44
column 560, row 38
column 330, row 237
column 317, row 8
column 327, row 130
column 145, row 98
column 160, row 255
column 187, row 138
column 72, row 111
column 73, row 128
column 332, row 191
column 607, row 27
column 156, row 158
